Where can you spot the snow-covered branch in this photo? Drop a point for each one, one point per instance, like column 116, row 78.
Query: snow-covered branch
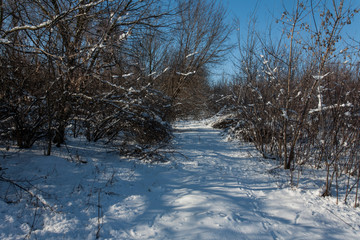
column 185, row 74
column 31, row 27
column 49, row 22
column 349, row 105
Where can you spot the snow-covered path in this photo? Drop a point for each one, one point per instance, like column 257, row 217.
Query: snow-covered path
column 222, row 192
column 211, row 189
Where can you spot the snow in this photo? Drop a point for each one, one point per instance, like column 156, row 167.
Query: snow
column 4, row 41
column 151, row 74
column 320, row 77
column 210, row 189
column 185, row 74
column 32, row 27
column 345, row 105
column 127, row 75
column 124, row 36
column 191, row 54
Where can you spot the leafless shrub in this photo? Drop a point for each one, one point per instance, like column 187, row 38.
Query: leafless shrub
column 301, row 107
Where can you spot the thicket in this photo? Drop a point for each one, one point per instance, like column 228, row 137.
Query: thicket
column 297, row 97
column 118, row 71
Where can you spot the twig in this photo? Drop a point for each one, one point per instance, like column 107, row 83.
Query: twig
column 68, row 150
column 28, row 192
column 34, row 220
column 341, row 219
column 99, row 216
column 181, row 154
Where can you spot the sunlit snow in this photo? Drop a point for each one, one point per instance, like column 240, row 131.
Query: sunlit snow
column 209, row 189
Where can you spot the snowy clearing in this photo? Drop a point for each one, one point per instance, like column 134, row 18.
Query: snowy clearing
column 211, row 189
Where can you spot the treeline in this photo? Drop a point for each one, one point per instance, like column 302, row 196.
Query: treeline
column 297, row 96
column 116, row 70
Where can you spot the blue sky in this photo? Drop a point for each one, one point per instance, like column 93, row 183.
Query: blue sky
column 243, row 9
column 266, row 11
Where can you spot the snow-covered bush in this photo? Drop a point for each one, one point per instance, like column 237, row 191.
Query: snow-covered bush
column 72, row 63
column 23, row 103
column 299, row 102
column 125, row 115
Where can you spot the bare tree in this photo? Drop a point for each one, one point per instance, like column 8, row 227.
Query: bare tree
column 301, row 108
column 199, row 40
column 78, row 46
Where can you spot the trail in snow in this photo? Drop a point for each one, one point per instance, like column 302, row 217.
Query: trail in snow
column 211, row 189
column 225, row 192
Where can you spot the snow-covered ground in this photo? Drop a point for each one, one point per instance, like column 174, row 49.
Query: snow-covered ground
column 211, row 189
